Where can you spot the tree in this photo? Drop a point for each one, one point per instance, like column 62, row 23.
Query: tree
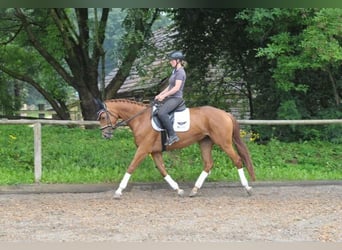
column 304, row 53
column 216, row 37
column 138, row 24
column 285, row 61
column 315, row 47
column 9, row 98
column 322, row 48
column 70, row 43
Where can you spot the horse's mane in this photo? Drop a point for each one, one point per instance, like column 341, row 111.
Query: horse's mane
column 128, row 101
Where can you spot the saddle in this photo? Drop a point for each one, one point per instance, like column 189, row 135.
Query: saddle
column 180, row 118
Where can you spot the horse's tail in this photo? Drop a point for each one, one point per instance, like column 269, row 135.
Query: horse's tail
column 242, row 148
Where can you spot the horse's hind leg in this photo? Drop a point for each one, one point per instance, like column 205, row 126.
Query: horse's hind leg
column 206, row 146
column 238, row 163
column 158, row 160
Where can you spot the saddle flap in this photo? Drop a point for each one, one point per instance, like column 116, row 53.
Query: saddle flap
column 179, row 119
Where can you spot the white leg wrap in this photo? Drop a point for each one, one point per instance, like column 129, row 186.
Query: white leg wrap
column 124, row 181
column 171, row 182
column 201, row 179
column 243, row 179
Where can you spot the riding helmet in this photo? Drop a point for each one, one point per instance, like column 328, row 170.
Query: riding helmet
column 176, row 55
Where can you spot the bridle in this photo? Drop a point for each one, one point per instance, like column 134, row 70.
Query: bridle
column 118, row 124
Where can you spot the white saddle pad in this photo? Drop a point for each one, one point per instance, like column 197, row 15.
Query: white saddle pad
column 181, row 121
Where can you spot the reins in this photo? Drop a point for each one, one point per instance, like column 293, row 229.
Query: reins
column 121, row 123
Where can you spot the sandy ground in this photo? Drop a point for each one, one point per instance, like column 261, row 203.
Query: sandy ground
column 282, row 213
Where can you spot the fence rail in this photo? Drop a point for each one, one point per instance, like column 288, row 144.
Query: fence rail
column 291, row 122
column 244, row 122
column 37, row 124
column 47, row 122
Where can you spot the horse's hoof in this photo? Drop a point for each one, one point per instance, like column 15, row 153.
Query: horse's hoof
column 249, row 191
column 193, row 192
column 180, row 192
column 117, row 196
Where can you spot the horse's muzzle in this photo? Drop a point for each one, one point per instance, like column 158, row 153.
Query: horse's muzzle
column 107, row 136
column 107, row 132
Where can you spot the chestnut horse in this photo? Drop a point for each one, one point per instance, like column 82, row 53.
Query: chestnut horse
column 208, row 126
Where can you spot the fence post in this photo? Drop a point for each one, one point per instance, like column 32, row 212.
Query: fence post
column 37, row 151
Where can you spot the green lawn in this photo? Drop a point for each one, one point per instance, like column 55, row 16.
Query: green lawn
column 75, row 155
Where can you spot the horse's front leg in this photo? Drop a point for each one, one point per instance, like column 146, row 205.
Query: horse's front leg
column 138, row 157
column 158, row 160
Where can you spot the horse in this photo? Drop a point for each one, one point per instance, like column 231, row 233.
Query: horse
column 208, row 126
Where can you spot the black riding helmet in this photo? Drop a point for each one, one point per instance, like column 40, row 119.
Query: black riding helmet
column 176, row 55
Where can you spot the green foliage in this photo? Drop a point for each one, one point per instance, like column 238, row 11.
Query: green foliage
column 60, row 50
column 114, row 34
column 297, row 161
column 16, row 153
column 303, row 48
column 221, row 61
column 22, row 62
column 321, row 39
column 288, row 111
column 75, row 155
column 315, row 46
column 139, row 21
column 285, row 62
column 7, row 101
column 330, row 132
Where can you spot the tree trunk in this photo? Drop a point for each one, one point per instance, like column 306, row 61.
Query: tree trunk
column 334, row 88
column 87, row 104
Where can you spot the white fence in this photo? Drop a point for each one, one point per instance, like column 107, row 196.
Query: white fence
column 37, row 124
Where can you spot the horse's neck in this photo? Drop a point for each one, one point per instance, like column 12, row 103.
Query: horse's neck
column 135, row 115
column 127, row 110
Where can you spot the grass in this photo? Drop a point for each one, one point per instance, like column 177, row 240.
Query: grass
column 75, row 155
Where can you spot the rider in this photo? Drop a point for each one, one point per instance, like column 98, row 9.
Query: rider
column 172, row 95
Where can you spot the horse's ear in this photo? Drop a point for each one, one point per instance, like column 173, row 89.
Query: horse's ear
column 99, row 103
